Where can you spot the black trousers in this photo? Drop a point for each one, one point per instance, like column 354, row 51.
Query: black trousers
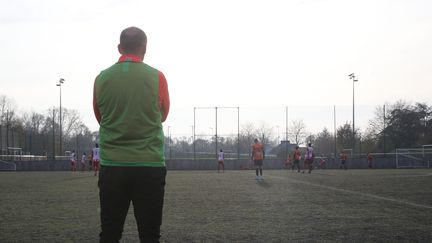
column 144, row 187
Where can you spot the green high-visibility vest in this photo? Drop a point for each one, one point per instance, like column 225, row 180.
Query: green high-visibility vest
column 130, row 132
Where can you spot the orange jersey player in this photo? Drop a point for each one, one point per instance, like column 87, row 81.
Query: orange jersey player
column 343, row 158
column 258, row 156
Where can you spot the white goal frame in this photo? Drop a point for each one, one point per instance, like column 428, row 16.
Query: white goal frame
column 426, row 146
column 351, row 152
column 417, row 157
column 13, row 166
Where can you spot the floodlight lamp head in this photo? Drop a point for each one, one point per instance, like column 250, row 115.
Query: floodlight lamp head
column 57, row 84
column 351, row 75
column 355, row 80
column 61, row 80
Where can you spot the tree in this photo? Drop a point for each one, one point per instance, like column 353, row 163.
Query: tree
column 324, row 142
column 405, row 126
column 408, row 125
column 7, row 115
column 344, row 136
column 71, row 122
column 247, row 135
column 264, row 134
column 36, row 133
column 297, row 132
column 368, row 143
column 377, row 126
column 33, row 124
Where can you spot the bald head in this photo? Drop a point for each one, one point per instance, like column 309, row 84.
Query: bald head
column 133, row 41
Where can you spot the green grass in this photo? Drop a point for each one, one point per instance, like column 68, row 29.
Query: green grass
column 204, row 206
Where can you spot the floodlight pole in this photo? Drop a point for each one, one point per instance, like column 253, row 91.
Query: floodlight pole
column 384, row 136
column 59, row 84
column 194, row 126
column 216, row 137
column 352, row 76
column 53, row 124
column 238, row 133
column 192, row 130
column 335, row 133
column 286, row 132
column 7, row 132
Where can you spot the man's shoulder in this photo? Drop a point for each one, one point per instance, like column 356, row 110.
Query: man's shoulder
column 116, row 67
column 119, row 64
column 149, row 67
column 106, row 71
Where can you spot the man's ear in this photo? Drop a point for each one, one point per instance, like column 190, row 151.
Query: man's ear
column 120, row 49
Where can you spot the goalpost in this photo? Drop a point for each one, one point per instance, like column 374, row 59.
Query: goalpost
column 216, row 135
column 350, row 150
column 7, row 166
column 426, row 146
column 414, row 157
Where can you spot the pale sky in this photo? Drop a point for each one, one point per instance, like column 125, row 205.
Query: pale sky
column 246, row 53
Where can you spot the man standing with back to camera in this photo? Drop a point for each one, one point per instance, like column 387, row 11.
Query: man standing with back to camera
column 258, row 156
column 130, row 101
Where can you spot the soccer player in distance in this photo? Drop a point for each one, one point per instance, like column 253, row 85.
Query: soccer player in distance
column 258, row 156
column 297, row 158
column 369, row 159
column 343, row 158
column 322, row 162
column 221, row 158
column 309, row 158
column 96, row 159
column 73, row 161
column 288, row 162
column 130, row 102
column 83, row 162
column 90, row 160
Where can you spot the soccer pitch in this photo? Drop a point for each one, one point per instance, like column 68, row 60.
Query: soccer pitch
column 206, row 206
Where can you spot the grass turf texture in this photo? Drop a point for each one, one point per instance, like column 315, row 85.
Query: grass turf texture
column 204, row 206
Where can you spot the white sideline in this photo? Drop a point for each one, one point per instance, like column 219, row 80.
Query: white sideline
column 405, row 176
column 354, row 192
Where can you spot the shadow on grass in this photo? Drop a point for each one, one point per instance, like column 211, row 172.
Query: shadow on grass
column 264, row 184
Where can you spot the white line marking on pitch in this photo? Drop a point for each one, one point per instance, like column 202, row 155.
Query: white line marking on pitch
column 403, row 176
column 355, row 192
